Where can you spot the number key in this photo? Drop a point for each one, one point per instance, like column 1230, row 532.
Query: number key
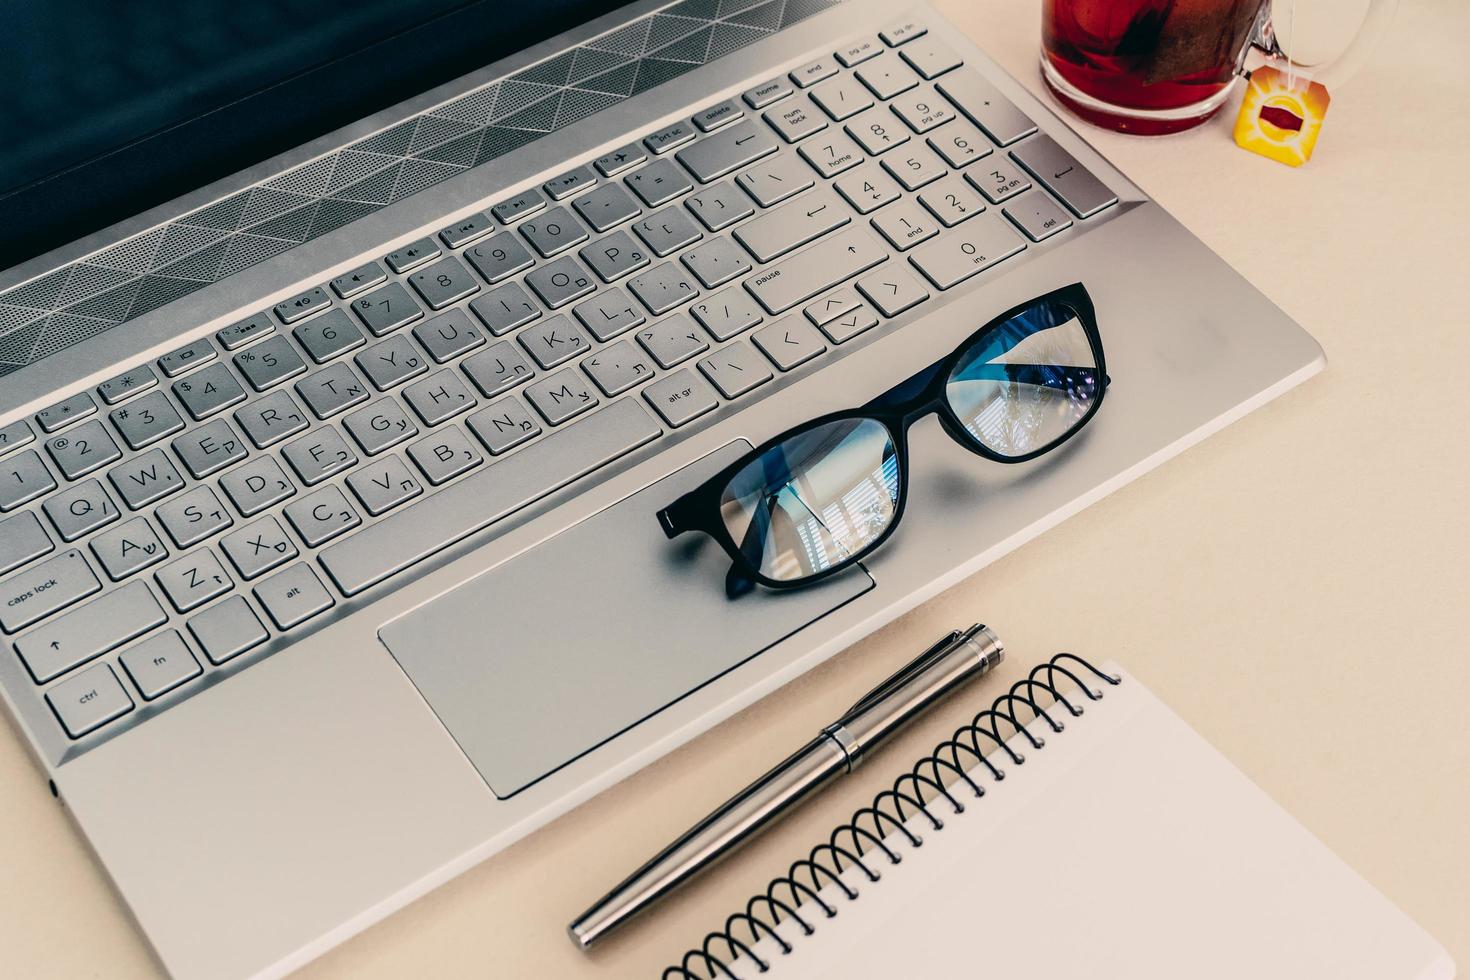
column 385, row 310
column 951, row 200
column 208, row 392
column 83, row 449
column 999, row 182
column 500, row 258
column 328, row 335
column 444, row 282
column 268, row 364
column 960, row 144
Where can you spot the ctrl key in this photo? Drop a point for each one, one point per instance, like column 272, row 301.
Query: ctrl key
column 89, row 700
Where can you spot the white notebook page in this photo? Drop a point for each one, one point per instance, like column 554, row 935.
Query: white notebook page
column 1127, row 847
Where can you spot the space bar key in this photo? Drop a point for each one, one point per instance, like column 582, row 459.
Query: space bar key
column 479, row 500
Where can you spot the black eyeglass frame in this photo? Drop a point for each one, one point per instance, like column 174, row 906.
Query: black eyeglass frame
column 699, row 509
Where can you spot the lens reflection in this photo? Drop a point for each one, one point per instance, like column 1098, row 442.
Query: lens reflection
column 1027, row 382
column 815, row 500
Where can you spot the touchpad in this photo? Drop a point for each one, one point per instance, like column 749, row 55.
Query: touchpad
column 554, row 652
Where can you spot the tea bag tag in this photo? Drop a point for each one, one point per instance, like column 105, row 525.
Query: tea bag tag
column 1281, row 115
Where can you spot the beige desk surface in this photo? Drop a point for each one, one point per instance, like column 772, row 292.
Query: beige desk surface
column 1298, row 587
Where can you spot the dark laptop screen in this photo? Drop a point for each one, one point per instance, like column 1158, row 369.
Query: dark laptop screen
column 113, row 108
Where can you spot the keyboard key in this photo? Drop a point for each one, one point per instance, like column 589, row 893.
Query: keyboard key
column 1059, row 172
column 877, row 130
column 832, row 306
column 329, row 335
column 1037, row 215
column 727, row 313
column 829, row 263
column 841, row 329
column 497, row 369
column 440, row 396
column 499, row 258
column 562, row 396
column 226, row 630
column 89, row 631
column 606, row 206
column 146, row 420
column 67, row 411
column 268, row 420
column 15, row 435
column 412, row 255
column 716, row 262
column 667, row 231
column 708, row 120
column 239, row 334
column 257, row 548
column 983, row 104
column 553, row 232
column 663, row 287
column 89, row 700
column 796, row 119
column 659, row 182
column 914, row 167
column 560, row 282
column 673, row 341
column 719, row 206
column 189, row 356
column 293, row 596
column 504, row 425
column 931, row 57
column 75, row 512
column 194, row 516
column 381, row 425
column 444, row 455
column 192, row 581
column 617, row 368
column 1000, row 180
column 22, row 479
column 681, row 398
column 766, row 93
column 31, row 595
column 209, row 392
column 429, row 526
column 793, row 224
column 268, row 364
column 574, row 181
column 727, row 151
column 130, row 383
column 842, row 97
column 951, row 199
column 859, row 51
column 608, row 314
column 146, row 478
column 385, row 310
column 886, row 76
column 923, row 109
column 209, row 448
column 383, row 485
column 159, row 664
column 776, row 179
column 868, row 188
column 322, row 516
column 82, row 450
column 623, row 158
column 319, row 455
column 467, row 229
column 960, row 144
column 448, row 335
column 365, row 276
column 525, row 203
column 971, row 248
column 504, row 308
column 128, row 549
column 257, row 485
column 789, row 342
column 735, row 369
column 554, row 340
column 22, row 539
column 667, row 139
column 832, row 153
column 446, row 281
column 336, row 388
column 615, row 256
column 302, row 305
column 814, row 71
column 902, row 32
column 906, row 225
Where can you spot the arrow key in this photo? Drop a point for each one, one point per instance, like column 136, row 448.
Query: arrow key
column 789, row 342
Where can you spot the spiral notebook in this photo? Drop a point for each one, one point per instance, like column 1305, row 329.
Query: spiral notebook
column 1125, row 846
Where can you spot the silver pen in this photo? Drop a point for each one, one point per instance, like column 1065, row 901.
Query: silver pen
column 838, row 750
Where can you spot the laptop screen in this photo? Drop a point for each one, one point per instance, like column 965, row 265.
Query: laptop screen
column 114, row 108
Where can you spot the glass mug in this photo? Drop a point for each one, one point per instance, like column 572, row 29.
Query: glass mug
column 1160, row 66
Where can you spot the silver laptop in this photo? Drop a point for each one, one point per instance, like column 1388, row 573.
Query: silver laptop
column 328, row 555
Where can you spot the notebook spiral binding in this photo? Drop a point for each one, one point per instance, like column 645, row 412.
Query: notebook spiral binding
column 887, row 814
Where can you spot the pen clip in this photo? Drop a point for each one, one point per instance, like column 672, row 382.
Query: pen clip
column 901, row 676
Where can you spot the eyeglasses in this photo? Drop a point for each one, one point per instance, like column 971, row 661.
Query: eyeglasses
column 822, row 496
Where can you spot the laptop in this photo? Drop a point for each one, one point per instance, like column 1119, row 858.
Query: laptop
column 331, row 464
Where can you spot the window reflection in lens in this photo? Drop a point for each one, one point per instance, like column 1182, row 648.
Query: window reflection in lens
column 815, row 499
column 1026, row 383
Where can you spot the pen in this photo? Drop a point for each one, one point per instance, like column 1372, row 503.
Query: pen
column 837, row 750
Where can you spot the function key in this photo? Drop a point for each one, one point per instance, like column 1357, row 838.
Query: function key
column 78, row 406
column 767, row 92
column 718, row 115
column 623, row 158
column 903, row 32
column 181, row 360
column 115, row 389
column 302, row 305
column 666, row 139
column 412, row 255
column 859, row 51
column 363, row 277
column 467, row 230
column 569, row 183
column 814, row 71
column 524, row 203
column 15, row 435
column 242, row 333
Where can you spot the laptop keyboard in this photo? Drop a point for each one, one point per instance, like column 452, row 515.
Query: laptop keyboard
column 193, row 509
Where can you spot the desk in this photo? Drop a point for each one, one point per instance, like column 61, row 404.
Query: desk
column 1297, row 587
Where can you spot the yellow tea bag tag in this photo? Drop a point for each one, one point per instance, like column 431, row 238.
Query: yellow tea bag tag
column 1281, row 115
